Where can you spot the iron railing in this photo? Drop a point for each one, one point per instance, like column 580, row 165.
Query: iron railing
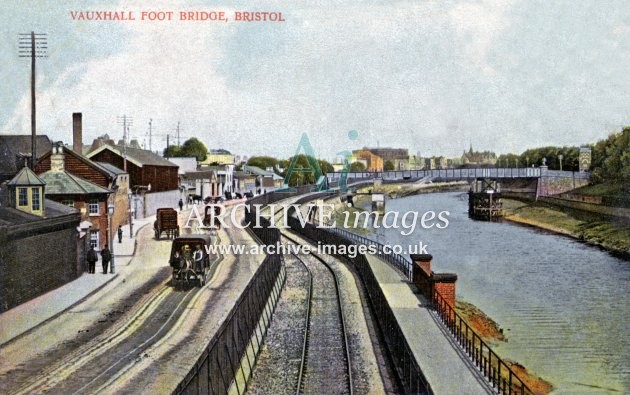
column 459, row 174
column 221, row 364
column 499, row 374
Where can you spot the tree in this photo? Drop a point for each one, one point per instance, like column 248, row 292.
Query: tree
column 263, row 162
column 172, row 151
column 301, row 178
column 326, row 166
column 389, row 165
column 191, row 147
column 611, row 158
column 194, row 147
column 357, row 166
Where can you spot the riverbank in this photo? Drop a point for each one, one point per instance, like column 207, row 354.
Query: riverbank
column 589, row 228
column 400, row 190
column 490, row 332
column 485, row 326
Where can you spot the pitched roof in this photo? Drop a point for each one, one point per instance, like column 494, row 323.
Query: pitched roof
column 26, row 176
column 64, row 183
column 138, row 157
column 111, row 168
column 260, row 172
column 241, row 174
column 13, row 145
column 12, row 216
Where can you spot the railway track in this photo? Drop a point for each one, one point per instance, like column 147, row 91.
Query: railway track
column 325, row 365
column 93, row 363
column 306, row 349
column 91, row 366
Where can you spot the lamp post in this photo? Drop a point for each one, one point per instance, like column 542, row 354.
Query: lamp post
column 130, row 216
column 110, row 219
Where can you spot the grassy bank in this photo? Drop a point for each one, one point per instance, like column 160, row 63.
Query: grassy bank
column 614, row 236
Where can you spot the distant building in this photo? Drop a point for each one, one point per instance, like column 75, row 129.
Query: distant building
column 398, row 156
column 213, row 181
column 476, row 158
column 371, row 161
column 416, row 162
column 265, row 180
column 153, row 180
column 218, row 157
column 244, row 182
column 146, row 169
column 338, row 166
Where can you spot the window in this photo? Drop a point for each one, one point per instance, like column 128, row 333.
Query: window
column 36, row 199
column 93, row 207
column 68, row 202
column 94, row 239
column 22, row 197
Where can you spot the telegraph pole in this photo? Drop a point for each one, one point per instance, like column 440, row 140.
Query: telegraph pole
column 126, row 122
column 150, row 121
column 33, row 45
column 167, row 144
column 178, row 134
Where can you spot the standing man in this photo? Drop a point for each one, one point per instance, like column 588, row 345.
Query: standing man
column 106, row 256
column 120, row 233
column 91, row 260
column 181, row 205
column 198, row 257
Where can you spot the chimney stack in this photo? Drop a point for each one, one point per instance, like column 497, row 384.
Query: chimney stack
column 57, row 158
column 77, row 133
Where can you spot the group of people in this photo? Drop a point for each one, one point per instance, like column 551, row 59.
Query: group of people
column 106, row 255
column 184, row 260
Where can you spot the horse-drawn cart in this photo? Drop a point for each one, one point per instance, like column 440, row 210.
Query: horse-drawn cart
column 190, row 260
column 166, row 222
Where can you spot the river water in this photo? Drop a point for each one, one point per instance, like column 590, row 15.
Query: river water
column 564, row 305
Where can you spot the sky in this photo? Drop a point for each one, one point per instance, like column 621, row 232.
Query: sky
column 430, row 76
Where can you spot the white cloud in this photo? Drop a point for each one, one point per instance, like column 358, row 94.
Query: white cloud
column 418, row 75
column 478, row 23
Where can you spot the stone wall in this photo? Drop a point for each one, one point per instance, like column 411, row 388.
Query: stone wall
column 590, row 207
column 37, row 257
column 155, row 200
column 552, row 185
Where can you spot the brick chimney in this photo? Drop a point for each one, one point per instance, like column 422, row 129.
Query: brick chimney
column 77, row 133
column 56, row 157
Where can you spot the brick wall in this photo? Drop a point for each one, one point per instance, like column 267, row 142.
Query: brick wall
column 428, row 281
column 445, row 286
column 32, row 264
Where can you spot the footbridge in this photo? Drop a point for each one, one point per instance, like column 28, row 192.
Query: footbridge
column 546, row 182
